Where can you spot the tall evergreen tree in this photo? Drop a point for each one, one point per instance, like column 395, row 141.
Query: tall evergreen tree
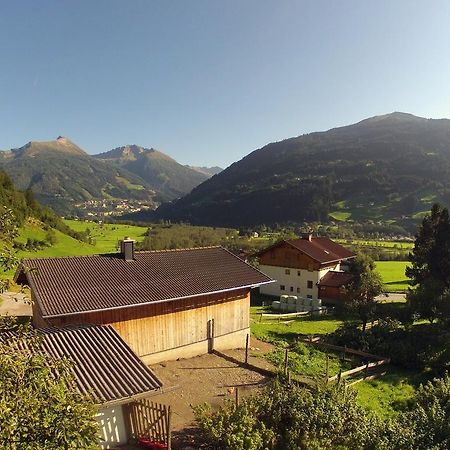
column 430, row 264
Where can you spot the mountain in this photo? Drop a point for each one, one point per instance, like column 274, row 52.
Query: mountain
column 383, row 168
column 208, row 171
column 162, row 173
column 62, row 176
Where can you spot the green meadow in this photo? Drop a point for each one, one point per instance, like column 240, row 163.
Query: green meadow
column 393, row 275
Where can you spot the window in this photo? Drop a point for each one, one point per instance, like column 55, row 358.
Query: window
column 309, row 296
column 287, row 271
column 298, row 290
column 310, row 284
column 310, row 267
column 282, row 287
column 299, row 272
column 292, row 289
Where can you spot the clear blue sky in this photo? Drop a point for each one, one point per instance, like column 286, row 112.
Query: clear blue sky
column 207, row 81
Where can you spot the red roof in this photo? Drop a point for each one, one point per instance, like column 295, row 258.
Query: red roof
column 322, row 249
column 73, row 285
column 335, row 279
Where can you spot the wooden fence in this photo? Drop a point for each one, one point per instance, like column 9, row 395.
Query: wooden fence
column 150, row 420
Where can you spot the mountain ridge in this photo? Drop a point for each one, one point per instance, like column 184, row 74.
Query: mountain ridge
column 383, row 168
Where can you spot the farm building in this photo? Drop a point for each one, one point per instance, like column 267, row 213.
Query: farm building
column 164, row 304
column 310, row 267
column 106, row 370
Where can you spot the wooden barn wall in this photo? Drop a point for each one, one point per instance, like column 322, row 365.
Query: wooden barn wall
column 332, row 293
column 154, row 328
column 286, row 256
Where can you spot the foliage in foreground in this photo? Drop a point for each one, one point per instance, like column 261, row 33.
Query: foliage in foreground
column 287, row 417
column 40, row 407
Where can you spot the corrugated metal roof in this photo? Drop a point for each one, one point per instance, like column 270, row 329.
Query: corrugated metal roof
column 72, row 285
column 335, row 279
column 105, row 367
column 322, row 249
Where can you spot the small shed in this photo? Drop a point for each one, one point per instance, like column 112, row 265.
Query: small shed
column 106, row 370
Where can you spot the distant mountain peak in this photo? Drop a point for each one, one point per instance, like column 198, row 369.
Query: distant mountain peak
column 60, row 145
column 395, row 117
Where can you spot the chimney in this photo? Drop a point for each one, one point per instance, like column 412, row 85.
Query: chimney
column 307, row 236
column 127, row 249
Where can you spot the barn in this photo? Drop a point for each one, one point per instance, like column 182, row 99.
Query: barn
column 165, row 304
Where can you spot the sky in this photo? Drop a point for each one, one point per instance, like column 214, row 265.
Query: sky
column 209, row 81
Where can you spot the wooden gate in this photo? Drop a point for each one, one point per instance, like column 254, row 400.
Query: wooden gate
column 150, row 420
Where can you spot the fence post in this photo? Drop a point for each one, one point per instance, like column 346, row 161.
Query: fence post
column 339, row 376
column 327, row 368
column 286, row 360
column 246, row 348
column 367, row 369
column 169, row 429
column 237, row 396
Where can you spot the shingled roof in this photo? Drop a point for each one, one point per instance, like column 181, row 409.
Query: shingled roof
column 73, row 285
column 321, row 249
column 336, row 279
column 105, row 368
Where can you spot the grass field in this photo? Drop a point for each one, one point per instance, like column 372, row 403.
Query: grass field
column 385, row 396
column 270, row 330
column 393, row 275
column 106, row 236
column 388, row 394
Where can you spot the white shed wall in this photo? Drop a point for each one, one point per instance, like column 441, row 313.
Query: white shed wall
column 112, row 427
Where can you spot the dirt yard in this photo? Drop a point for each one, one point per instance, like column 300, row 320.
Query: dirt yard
column 208, row 378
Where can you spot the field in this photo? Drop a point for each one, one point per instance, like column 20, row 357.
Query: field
column 106, row 236
column 393, row 275
column 385, row 395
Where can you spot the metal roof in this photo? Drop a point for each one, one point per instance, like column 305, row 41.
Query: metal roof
column 73, row 285
column 105, row 367
column 336, row 279
column 322, row 249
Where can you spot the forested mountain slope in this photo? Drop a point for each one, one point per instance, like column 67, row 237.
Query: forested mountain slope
column 386, row 167
column 62, row 175
column 162, row 173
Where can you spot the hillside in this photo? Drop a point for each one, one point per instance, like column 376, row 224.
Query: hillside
column 383, row 168
column 21, row 211
column 209, row 171
column 63, row 176
column 162, row 173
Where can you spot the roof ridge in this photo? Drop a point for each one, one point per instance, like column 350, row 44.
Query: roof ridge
column 46, row 258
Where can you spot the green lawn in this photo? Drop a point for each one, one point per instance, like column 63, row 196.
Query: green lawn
column 340, row 215
column 388, row 394
column 393, row 275
column 106, row 236
column 270, row 330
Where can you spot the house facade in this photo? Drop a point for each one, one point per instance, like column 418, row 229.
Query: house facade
column 310, row 267
column 164, row 304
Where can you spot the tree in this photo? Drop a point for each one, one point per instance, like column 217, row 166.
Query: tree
column 366, row 285
column 426, row 423
column 430, row 265
column 40, row 407
column 288, row 417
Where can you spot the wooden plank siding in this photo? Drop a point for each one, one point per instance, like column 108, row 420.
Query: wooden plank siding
column 154, row 328
column 286, row 256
